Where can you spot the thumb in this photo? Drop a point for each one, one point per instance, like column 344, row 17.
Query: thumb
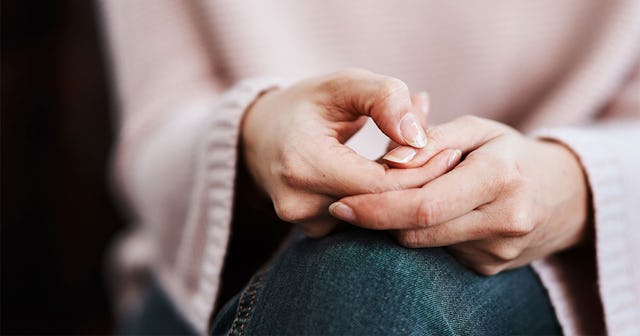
column 385, row 99
column 422, row 103
column 466, row 133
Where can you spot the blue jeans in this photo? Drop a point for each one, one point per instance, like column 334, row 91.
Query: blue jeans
column 361, row 282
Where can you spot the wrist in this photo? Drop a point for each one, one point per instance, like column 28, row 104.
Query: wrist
column 251, row 126
column 578, row 210
column 248, row 123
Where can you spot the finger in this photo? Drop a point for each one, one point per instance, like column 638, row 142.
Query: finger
column 354, row 175
column 475, row 258
column 471, row 226
column 439, row 165
column 422, row 104
column 347, row 129
column 454, row 194
column 297, row 206
column 406, row 153
column 466, row 133
column 319, row 227
column 385, row 99
column 489, row 256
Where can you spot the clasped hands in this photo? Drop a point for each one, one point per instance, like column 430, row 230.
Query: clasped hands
column 495, row 198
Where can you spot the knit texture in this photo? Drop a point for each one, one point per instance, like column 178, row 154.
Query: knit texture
column 566, row 71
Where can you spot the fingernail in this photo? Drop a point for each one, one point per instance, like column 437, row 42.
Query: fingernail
column 454, row 158
column 426, row 102
column 402, row 154
column 342, row 211
column 411, row 131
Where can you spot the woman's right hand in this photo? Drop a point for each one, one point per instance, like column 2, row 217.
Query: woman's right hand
column 293, row 143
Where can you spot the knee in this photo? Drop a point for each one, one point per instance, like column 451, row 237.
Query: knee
column 375, row 256
column 362, row 282
column 365, row 278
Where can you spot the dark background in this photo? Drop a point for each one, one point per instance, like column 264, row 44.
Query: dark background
column 58, row 218
column 58, row 214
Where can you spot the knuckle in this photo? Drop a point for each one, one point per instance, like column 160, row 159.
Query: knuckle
column 384, row 93
column 291, row 170
column 501, row 164
column 512, row 175
column 289, row 209
column 487, row 269
column 435, row 134
column 387, row 89
column 375, row 217
column 505, row 252
column 333, row 82
column 317, row 230
column 427, row 213
column 508, row 174
column 483, row 159
column 408, row 239
column 291, row 177
column 377, row 180
column 519, row 222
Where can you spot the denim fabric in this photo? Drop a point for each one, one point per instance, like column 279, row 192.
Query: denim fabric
column 361, row 283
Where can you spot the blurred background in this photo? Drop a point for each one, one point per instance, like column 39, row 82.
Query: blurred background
column 58, row 217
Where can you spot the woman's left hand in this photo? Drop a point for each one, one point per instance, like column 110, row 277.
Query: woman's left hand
column 512, row 200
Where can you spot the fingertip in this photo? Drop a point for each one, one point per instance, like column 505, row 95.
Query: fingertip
column 318, row 228
column 404, row 157
column 401, row 154
column 342, row 212
column 315, row 233
column 454, row 158
column 412, row 132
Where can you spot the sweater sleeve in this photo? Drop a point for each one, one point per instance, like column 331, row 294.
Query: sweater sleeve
column 607, row 149
column 176, row 148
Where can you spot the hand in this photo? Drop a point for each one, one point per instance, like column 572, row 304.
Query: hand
column 510, row 201
column 293, row 141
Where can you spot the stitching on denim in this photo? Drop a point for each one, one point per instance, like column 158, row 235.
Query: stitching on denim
column 243, row 313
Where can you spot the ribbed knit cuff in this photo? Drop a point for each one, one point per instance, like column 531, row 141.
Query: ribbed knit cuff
column 215, row 182
column 601, row 162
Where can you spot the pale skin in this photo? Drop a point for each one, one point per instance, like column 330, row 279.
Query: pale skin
column 512, row 200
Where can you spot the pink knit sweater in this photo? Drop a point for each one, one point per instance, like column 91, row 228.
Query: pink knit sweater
column 186, row 70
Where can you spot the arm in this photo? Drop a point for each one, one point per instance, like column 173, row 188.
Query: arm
column 176, row 147
column 607, row 150
column 517, row 199
column 179, row 136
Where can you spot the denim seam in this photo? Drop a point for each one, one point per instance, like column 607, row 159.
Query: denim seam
column 243, row 313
